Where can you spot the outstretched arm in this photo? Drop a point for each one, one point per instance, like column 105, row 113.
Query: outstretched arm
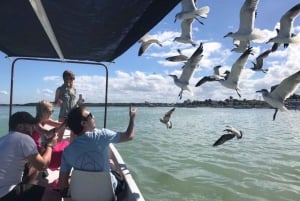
column 129, row 133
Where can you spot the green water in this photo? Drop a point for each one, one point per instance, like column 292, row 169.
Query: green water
column 180, row 164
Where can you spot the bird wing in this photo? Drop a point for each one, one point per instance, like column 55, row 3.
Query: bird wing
column 261, row 57
column 237, row 67
column 190, row 65
column 186, row 28
column 232, row 130
column 188, row 5
column 143, row 47
column 168, row 114
column 203, row 80
column 287, row 20
column 216, row 70
column 287, row 87
column 247, row 16
column 223, row 139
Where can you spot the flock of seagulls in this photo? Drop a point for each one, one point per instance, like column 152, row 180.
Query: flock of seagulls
column 242, row 39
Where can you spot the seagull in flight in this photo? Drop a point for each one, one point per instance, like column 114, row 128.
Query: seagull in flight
column 167, row 118
column 231, row 80
column 177, row 58
column 279, row 93
column 258, row 66
column 246, row 31
column 215, row 77
column 186, row 33
column 146, row 41
column 231, row 133
column 188, row 70
column 284, row 34
column 189, row 11
column 240, row 46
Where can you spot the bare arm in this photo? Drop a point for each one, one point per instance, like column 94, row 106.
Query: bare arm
column 39, row 161
column 129, row 133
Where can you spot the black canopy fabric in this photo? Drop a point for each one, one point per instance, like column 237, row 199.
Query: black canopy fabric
column 94, row 30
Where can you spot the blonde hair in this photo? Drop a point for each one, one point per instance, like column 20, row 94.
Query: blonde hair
column 43, row 107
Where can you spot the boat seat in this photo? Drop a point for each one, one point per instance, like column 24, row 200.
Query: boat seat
column 91, row 186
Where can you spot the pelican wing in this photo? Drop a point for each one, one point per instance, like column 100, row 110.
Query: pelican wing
column 237, row 67
column 190, row 65
column 223, row 139
column 247, row 16
column 287, row 87
column 287, row 20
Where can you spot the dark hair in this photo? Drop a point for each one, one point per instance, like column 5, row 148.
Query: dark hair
column 74, row 119
column 20, row 118
column 68, row 74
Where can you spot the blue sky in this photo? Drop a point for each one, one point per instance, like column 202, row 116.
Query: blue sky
column 145, row 78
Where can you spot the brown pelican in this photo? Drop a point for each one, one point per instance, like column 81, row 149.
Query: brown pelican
column 231, row 80
column 231, row 133
column 146, row 41
column 284, row 34
column 167, row 118
column 188, row 70
column 258, row 66
column 279, row 93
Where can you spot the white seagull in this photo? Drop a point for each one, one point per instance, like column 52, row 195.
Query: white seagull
column 231, row 133
column 188, row 70
column 279, row 93
column 284, row 34
column 231, row 80
column 189, row 10
column 215, row 77
column 186, row 33
column 167, row 118
column 246, row 31
column 146, row 41
column 178, row 58
column 258, row 66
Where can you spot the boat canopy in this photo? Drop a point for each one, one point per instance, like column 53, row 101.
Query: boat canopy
column 93, row 30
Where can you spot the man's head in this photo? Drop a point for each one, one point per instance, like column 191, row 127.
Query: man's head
column 80, row 120
column 22, row 122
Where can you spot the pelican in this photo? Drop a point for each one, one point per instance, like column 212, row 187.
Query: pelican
column 279, row 93
column 179, row 57
column 246, row 31
column 284, row 34
column 146, row 41
column 215, row 77
column 258, row 66
column 167, row 118
column 188, row 70
column 231, row 133
column 190, row 11
column 186, row 33
column 231, row 80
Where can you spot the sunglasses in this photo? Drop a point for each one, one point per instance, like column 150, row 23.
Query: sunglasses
column 90, row 115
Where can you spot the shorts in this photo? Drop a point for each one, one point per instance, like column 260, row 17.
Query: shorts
column 25, row 192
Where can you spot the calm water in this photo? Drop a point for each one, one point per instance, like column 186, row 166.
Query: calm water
column 180, row 164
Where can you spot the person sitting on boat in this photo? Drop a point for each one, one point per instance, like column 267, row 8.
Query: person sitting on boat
column 44, row 110
column 18, row 148
column 89, row 151
column 65, row 97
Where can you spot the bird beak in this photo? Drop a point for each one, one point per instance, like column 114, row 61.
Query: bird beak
column 227, row 35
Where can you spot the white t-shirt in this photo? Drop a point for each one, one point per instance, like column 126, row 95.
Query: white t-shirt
column 14, row 148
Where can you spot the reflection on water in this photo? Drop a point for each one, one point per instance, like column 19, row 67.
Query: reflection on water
column 180, row 164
